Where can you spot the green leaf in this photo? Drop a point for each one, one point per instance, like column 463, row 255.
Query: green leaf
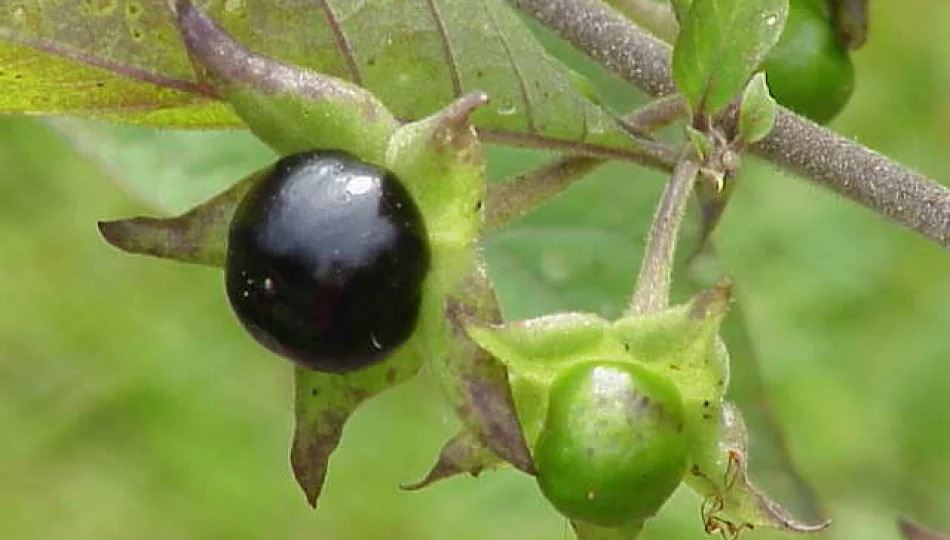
column 701, row 143
column 757, row 111
column 415, row 55
column 104, row 58
column 721, row 43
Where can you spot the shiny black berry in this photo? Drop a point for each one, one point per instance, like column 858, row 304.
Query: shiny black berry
column 326, row 260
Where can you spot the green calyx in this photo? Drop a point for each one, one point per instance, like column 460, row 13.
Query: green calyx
column 437, row 159
column 612, row 409
column 609, row 467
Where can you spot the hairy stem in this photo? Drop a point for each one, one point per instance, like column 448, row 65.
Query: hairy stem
column 652, row 291
column 518, row 195
column 795, row 143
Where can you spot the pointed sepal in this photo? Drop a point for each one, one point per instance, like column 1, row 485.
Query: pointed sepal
column 475, row 382
column 719, row 473
column 198, row 236
column 292, row 109
column 440, row 159
column 683, row 343
column 536, row 351
column 462, row 454
column 322, row 405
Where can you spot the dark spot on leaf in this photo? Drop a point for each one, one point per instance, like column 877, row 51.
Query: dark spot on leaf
column 313, row 392
column 705, row 403
column 479, row 74
column 371, row 61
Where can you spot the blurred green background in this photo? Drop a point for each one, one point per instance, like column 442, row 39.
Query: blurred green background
column 133, row 406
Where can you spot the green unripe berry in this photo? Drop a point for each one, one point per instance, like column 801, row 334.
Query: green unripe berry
column 612, row 449
column 809, row 70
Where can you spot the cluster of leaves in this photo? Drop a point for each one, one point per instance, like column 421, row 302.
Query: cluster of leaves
column 181, row 66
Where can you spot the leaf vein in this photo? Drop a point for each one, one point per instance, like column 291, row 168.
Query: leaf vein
column 446, row 48
column 522, row 86
column 341, row 42
column 118, row 68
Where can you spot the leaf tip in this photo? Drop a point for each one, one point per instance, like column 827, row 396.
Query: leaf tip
column 111, row 231
column 309, row 476
column 713, row 302
column 126, row 234
column 452, row 124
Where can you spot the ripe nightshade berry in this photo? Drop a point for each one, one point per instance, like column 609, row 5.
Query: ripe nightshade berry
column 326, row 260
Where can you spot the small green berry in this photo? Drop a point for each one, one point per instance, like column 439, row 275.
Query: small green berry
column 810, row 70
column 613, row 448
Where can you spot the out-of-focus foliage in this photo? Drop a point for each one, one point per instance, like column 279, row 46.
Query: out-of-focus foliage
column 133, row 406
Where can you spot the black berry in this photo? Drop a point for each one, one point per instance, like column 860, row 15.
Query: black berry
column 326, row 260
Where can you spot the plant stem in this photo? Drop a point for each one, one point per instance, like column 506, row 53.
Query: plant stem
column 652, row 291
column 518, row 195
column 850, row 169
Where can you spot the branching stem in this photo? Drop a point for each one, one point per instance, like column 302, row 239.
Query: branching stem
column 518, row 195
column 795, row 143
